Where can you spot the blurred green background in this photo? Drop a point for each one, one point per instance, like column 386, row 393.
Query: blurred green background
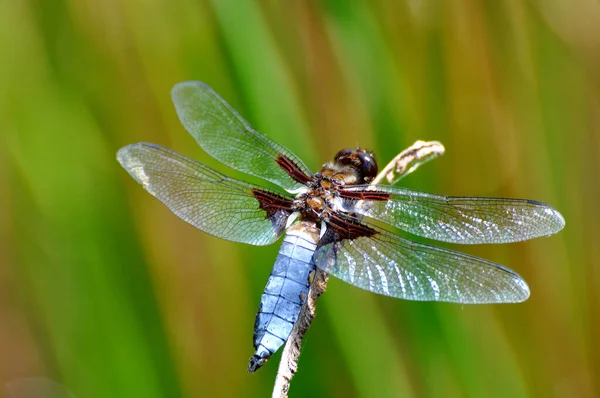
column 106, row 292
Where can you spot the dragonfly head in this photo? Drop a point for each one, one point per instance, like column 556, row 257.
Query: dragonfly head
column 362, row 162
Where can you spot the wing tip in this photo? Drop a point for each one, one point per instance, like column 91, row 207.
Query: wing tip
column 131, row 158
column 516, row 293
column 522, row 291
column 180, row 87
column 123, row 154
column 552, row 215
column 518, row 290
column 558, row 218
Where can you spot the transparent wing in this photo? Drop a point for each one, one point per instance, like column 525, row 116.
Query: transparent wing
column 465, row 220
column 211, row 202
column 396, row 267
column 227, row 137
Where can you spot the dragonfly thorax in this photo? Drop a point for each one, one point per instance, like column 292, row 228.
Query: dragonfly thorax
column 319, row 201
column 348, row 167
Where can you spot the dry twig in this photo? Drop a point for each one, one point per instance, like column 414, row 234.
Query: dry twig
column 409, row 160
column 289, row 357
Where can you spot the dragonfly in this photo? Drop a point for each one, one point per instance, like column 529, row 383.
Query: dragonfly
column 334, row 220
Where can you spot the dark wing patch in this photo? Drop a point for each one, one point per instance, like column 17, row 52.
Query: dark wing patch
column 275, row 205
column 342, row 227
column 361, row 194
column 292, row 169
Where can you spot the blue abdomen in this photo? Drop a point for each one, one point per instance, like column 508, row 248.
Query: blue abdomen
column 285, row 294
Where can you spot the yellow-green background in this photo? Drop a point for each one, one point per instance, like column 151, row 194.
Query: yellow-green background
column 106, row 292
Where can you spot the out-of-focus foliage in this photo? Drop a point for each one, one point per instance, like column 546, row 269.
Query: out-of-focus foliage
column 104, row 291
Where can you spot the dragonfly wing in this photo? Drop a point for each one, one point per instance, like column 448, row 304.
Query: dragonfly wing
column 211, row 202
column 389, row 265
column 227, row 137
column 465, row 220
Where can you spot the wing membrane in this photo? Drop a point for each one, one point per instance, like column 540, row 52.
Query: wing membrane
column 227, row 137
column 396, row 267
column 211, row 202
column 465, row 220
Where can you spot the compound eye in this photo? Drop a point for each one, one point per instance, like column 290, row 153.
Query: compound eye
column 344, row 156
column 368, row 166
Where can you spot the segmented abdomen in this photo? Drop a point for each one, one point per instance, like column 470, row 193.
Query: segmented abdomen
column 284, row 295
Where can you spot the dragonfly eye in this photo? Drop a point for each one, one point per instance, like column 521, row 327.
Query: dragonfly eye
column 368, row 165
column 344, row 157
